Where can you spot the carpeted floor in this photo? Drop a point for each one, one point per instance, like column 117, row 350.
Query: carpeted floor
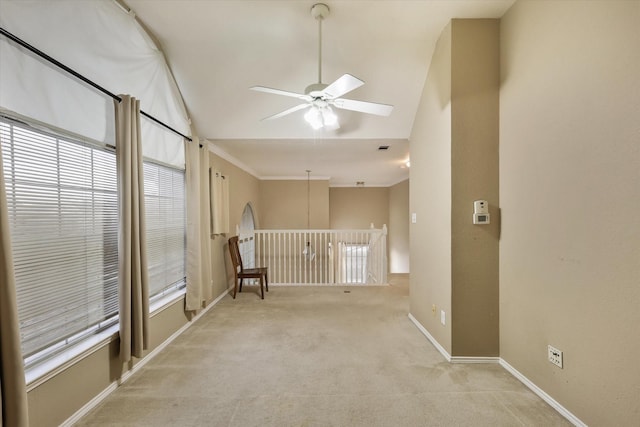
column 316, row 356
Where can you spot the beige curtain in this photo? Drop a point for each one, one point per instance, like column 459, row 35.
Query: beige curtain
column 199, row 284
column 220, row 202
column 133, row 276
column 13, row 392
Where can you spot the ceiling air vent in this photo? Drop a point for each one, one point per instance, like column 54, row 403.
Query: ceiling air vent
column 383, row 147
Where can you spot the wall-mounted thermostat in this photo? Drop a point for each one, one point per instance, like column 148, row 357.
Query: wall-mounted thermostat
column 481, row 212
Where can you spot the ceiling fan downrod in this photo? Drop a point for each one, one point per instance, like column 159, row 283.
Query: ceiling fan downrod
column 319, row 11
column 320, row 98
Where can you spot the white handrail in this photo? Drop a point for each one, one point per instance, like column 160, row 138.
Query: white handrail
column 355, row 257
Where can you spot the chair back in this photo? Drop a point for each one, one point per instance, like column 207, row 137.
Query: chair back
column 234, row 250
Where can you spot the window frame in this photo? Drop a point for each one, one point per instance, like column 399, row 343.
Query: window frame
column 45, row 364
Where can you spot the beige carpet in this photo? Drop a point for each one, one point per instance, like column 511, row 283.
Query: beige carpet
column 316, row 356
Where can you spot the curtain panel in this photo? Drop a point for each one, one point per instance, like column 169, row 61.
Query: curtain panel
column 133, row 281
column 219, row 202
column 13, row 392
column 199, row 275
column 205, row 223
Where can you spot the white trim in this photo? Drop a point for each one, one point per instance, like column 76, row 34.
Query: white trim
column 54, row 131
column 166, row 301
column 114, row 385
column 426, row 333
column 360, row 186
column 513, row 371
column 153, row 353
column 542, row 394
column 237, row 162
column 295, row 178
column 77, row 416
column 406, row 178
column 210, row 306
column 319, row 230
column 41, row 373
column 228, row 157
column 330, row 285
column 467, row 359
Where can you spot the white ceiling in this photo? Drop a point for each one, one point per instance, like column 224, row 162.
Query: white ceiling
column 217, row 49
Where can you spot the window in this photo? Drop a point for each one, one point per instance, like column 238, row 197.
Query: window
column 247, row 243
column 62, row 200
column 63, row 217
column 164, row 193
column 353, row 262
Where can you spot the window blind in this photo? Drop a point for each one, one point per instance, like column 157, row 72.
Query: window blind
column 165, row 214
column 62, row 201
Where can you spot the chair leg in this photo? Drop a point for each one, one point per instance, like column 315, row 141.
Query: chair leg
column 240, row 290
column 235, row 287
column 261, row 289
column 266, row 281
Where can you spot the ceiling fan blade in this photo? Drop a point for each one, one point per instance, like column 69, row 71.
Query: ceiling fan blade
column 281, row 92
column 344, row 84
column 285, row 112
column 363, row 107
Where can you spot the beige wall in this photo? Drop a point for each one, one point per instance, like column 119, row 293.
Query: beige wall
column 398, row 241
column 243, row 188
column 357, row 207
column 53, row 401
column 430, row 197
column 475, row 79
column 454, row 159
column 570, row 197
column 284, row 204
column 56, row 398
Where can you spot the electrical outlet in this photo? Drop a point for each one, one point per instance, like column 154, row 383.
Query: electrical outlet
column 442, row 317
column 555, row 356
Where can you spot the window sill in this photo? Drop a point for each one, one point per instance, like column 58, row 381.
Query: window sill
column 166, row 301
column 42, row 372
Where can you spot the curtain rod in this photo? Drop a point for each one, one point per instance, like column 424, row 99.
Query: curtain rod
column 83, row 78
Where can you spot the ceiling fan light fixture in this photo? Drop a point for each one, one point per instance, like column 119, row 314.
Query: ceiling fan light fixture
column 319, row 117
column 329, row 118
column 314, row 118
column 320, row 96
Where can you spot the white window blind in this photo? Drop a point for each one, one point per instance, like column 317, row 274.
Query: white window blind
column 165, row 214
column 62, row 202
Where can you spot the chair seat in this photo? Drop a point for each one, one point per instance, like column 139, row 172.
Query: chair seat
column 253, row 272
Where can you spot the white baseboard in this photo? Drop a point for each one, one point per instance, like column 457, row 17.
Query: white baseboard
column 90, row 405
column 426, row 333
column 542, row 394
column 467, row 359
column 513, row 371
column 114, row 385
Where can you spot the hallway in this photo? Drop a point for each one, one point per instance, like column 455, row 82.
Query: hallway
column 316, row 356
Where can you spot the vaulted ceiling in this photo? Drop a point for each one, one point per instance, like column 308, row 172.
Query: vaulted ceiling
column 218, row 49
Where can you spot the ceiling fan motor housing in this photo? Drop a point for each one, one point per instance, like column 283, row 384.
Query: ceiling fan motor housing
column 319, row 11
column 315, row 90
column 321, row 96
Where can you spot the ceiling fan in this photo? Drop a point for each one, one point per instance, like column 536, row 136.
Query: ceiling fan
column 320, row 97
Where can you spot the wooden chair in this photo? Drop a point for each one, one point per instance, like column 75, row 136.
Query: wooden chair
column 245, row 273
